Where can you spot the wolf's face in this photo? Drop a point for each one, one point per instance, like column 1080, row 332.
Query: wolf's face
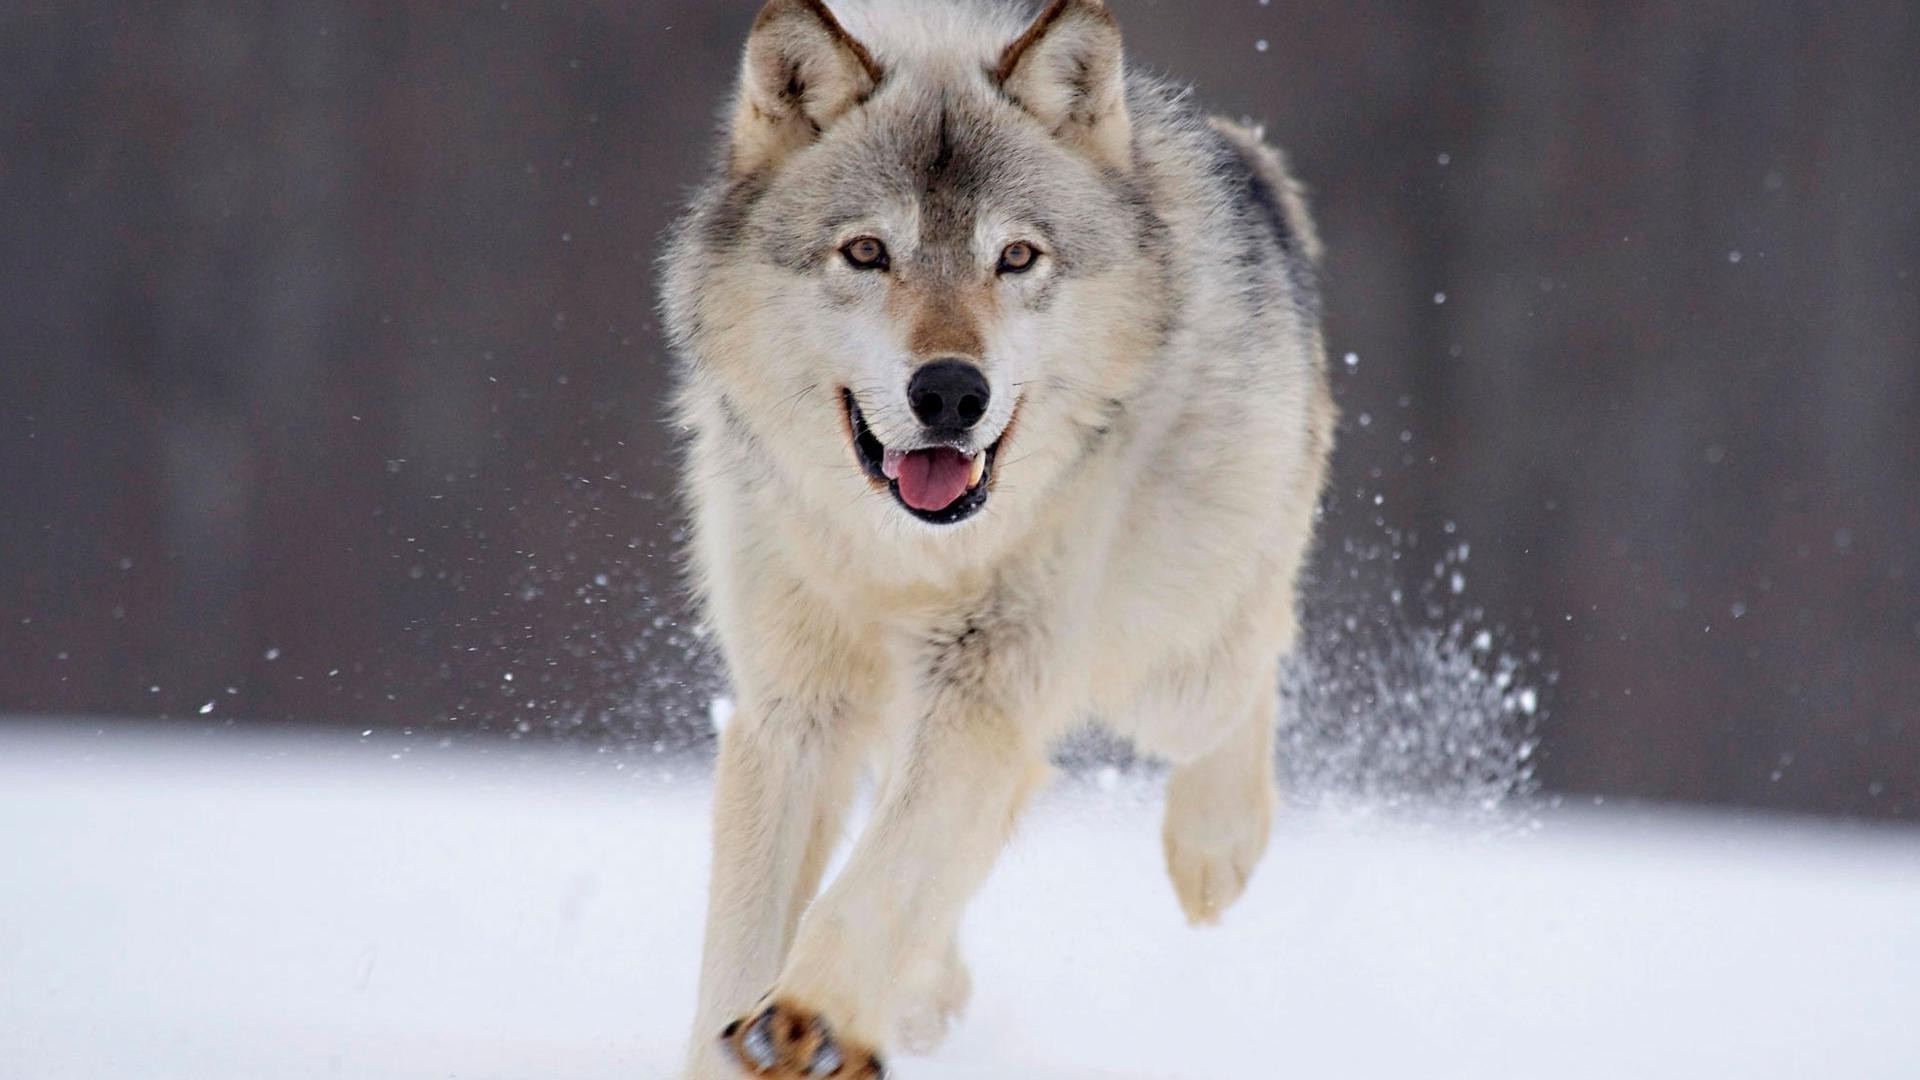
column 940, row 248
column 932, row 280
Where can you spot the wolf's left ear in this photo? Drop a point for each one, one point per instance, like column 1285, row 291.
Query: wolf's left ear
column 1067, row 70
column 801, row 72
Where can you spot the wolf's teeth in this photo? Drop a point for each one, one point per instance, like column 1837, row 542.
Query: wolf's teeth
column 979, row 470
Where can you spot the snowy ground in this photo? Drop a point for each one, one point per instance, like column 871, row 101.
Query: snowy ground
column 248, row 906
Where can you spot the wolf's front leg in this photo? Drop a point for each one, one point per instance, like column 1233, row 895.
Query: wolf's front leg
column 935, row 833
column 1219, row 813
column 782, row 785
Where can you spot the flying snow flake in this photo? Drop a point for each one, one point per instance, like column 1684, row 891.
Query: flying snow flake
column 207, row 708
column 1261, row 45
column 1439, row 298
column 1353, row 360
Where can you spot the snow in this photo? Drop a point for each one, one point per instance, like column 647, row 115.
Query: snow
column 209, row 906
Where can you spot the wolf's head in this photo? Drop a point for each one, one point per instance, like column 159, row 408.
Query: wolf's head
column 930, row 274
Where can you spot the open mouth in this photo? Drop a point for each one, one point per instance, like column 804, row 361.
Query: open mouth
column 940, row 485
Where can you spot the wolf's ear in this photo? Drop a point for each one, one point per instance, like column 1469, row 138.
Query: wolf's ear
column 1067, row 70
column 801, row 72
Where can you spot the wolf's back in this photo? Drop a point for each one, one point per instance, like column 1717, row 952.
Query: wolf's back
column 1275, row 188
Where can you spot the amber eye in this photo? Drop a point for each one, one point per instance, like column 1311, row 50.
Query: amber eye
column 865, row 253
column 1018, row 257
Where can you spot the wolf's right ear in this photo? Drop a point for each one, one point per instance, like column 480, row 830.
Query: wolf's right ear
column 801, row 72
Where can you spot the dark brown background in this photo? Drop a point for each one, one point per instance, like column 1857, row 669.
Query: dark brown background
column 325, row 328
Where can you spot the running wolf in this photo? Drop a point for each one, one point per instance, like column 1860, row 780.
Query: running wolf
column 1007, row 408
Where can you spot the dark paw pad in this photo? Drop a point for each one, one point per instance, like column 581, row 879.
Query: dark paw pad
column 785, row 1042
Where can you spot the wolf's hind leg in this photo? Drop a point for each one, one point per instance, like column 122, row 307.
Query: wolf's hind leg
column 1219, row 814
column 935, row 996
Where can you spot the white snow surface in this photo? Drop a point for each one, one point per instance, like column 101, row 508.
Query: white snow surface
column 215, row 906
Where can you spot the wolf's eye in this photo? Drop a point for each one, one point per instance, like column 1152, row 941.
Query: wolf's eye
column 1017, row 258
column 865, row 253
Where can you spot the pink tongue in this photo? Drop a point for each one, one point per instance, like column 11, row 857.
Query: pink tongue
column 932, row 479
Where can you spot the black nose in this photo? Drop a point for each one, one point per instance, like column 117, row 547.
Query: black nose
column 948, row 394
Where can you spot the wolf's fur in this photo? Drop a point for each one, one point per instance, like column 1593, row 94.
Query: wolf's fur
column 1159, row 389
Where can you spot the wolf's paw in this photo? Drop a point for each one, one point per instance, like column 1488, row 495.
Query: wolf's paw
column 1214, row 835
column 786, row 1042
column 934, row 1002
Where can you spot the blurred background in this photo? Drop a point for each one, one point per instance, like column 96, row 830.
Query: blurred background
column 331, row 390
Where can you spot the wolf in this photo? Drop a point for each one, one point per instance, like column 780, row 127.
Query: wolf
column 1006, row 406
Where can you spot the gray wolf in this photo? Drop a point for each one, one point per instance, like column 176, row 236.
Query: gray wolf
column 1007, row 409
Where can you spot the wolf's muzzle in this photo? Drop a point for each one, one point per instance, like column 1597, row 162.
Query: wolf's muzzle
column 938, row 484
